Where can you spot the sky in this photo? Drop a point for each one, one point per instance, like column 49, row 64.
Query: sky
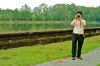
column 12, row 4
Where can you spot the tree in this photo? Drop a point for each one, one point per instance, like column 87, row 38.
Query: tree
column 25, row 13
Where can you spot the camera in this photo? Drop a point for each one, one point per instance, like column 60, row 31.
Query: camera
column 78, row 16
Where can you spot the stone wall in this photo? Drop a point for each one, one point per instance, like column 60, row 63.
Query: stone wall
column 10, row 40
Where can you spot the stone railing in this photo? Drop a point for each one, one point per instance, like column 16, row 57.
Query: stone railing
column 10, row 40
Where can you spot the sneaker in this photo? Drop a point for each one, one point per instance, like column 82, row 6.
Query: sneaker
column 73, row 58
column 80, row 58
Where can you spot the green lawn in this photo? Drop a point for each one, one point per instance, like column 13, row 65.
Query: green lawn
column 98, row 65
column 31, row 55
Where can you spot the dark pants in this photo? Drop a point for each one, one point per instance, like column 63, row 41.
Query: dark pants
column 80, row 39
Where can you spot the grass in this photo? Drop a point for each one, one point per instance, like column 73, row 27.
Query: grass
column 31, row 55
column 98, row 65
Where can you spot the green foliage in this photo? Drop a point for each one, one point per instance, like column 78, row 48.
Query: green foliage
column 57, row 12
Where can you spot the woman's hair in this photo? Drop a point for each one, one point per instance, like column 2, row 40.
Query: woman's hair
column 79, row 12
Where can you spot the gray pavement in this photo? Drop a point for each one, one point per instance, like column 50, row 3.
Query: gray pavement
column 91, row 58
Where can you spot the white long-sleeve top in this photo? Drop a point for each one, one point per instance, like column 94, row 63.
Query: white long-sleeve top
column 78, row 26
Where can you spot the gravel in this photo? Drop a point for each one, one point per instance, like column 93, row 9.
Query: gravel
column 91, row 58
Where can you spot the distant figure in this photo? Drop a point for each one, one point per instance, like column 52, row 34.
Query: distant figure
column 78, row 35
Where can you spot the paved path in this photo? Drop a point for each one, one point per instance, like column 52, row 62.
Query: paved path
column 89, row 59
